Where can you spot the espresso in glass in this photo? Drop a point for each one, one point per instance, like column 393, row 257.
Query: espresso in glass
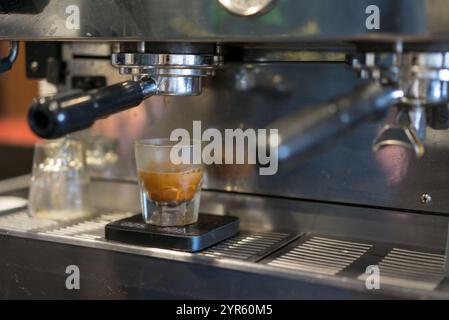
column 170, row 193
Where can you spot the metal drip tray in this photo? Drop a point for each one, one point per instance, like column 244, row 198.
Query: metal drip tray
column 314, row 254
column 292, row 263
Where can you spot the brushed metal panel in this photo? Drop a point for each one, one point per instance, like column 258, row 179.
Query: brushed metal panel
column 206, row 20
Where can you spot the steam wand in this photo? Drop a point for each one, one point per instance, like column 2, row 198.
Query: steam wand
column 315, row 127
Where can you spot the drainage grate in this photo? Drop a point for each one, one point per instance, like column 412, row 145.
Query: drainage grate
column 250, row 246
column 92, row 229
column 321, row 255
column 411, row 269
column 400, row 267
column 21, row 221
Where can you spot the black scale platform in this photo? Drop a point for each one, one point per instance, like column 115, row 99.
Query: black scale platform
column 209, row 230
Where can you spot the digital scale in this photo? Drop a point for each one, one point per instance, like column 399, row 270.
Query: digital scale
column 207, row 231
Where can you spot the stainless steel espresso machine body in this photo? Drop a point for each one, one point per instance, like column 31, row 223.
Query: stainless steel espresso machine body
column 358, row 91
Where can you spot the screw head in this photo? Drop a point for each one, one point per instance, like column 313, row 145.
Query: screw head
column 34, row 66
column 426, row 199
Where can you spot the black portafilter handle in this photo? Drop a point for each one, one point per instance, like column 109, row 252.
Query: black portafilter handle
column 54, row 117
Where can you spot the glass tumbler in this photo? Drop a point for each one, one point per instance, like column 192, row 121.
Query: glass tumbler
column 59, row 182
column 101, row 156
column 169, row 190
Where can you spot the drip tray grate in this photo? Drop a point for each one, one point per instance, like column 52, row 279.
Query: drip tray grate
column 92, row 229
column 411, row 269
column 249, row 246
column 400, row 267
column 22, row 222
column 320, row 255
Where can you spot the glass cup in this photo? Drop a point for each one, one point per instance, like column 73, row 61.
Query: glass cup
column 169, row 192
column 59, row 182
column 101, row 156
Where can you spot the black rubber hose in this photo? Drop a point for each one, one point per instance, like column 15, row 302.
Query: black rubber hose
column 6, row 63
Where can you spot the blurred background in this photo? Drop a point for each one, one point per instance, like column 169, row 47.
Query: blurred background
column 16, row 139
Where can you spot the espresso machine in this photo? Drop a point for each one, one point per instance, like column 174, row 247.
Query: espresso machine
column 357, row 91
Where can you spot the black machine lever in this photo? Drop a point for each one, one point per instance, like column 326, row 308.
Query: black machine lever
column 54, row 117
